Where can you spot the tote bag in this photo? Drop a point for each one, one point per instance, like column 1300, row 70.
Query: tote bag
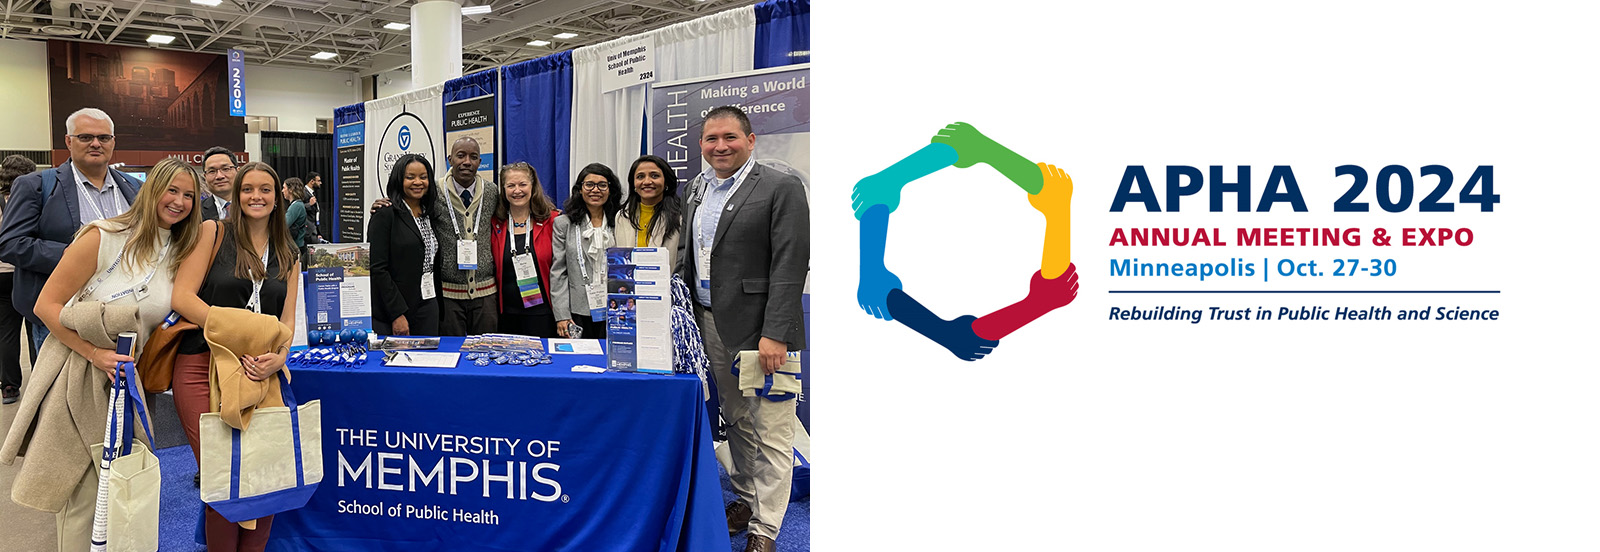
column 273, row 466
column 130, row 521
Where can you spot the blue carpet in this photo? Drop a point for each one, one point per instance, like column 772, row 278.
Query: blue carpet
column 180, row 507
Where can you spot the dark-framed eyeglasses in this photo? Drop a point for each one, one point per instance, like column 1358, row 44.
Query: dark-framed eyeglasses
column 595, row 185
column 221, row 170
column 89, row 138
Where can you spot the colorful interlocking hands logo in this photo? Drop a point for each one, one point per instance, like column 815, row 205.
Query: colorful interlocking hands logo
column 970, row 338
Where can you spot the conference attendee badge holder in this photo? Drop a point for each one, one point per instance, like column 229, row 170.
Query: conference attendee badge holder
column 597, row 301
column 140, row 290
column 255, row 285
column 528, row 280
column 704, row 259
column 467, row 254
column 427, row 285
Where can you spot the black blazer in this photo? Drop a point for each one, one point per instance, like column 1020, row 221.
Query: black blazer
column 397, row 255
column 37, row 229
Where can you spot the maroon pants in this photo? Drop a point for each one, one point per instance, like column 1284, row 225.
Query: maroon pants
column 191, row 392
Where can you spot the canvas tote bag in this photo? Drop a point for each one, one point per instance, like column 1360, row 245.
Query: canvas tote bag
column 272, row 466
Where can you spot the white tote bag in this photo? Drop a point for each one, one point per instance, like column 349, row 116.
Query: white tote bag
column 273, row 466
column 128, row 513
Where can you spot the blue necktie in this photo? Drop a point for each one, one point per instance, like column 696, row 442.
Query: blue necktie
column 466, row 198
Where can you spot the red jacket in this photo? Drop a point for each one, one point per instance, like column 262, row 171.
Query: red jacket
column 541, row 233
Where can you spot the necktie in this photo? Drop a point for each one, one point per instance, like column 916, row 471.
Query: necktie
column 224, row 212
column 466, row 198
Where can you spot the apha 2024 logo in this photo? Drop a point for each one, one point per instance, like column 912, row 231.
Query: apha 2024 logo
column 969, row 337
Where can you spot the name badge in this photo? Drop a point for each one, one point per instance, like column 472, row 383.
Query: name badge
column 467, row 254
column 527, row 280
column 704, row 259
column 597, row 300
column 427, row 286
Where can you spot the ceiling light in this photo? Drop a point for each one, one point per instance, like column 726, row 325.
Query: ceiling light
column 397, row 26
column 212, row 3
column 476, row 10
column 60, row 30
column 160, row 39
column 539, row 43
column 565, row 36
column 324, row 55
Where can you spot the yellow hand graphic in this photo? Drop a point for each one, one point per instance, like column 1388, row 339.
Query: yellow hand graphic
column 1055, row 201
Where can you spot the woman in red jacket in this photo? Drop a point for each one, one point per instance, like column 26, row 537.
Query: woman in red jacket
column 522, row 255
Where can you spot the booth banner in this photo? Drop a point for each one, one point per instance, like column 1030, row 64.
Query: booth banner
column 411, row 122
column 235, row 83
column 639, row 310
column 778, row 102
column 350, row 144
column 629, row 63
column 476, row 119
column 338, row 287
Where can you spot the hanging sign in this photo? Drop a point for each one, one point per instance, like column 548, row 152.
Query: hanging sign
column 235, row 83
column 627, row 64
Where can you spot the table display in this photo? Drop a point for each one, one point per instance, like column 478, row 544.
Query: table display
column 507, row 457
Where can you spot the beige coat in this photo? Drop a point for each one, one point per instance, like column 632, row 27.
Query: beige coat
column 63, row 413
column 233, row 332
column 627, row 236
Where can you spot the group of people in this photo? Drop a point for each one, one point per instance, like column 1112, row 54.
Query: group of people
column 84, row 233
column 231, row 236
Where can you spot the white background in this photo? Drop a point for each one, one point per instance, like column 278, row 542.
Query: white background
column 1082, row 433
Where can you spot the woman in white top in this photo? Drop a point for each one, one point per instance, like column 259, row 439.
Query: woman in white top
column 128, row 259
column 581, row 236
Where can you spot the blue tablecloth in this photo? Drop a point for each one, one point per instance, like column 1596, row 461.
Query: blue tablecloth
column 574, row 461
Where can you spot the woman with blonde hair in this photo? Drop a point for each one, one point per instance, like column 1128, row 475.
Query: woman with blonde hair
column 128, row 260
column 522, row 227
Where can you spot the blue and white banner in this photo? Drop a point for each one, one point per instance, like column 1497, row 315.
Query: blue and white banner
column 235, row 83
column 507, row 458
column 778, row 102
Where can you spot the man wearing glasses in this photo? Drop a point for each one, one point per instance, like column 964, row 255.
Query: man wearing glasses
column 47, row 208
column 219, row 165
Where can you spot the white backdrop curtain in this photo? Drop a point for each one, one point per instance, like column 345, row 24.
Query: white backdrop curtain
column 609, row 128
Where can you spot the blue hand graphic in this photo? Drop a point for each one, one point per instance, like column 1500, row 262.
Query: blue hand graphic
column 876, row 280
column 884, row 187
column 955, row 335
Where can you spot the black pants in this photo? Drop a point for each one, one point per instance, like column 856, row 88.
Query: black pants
column 10, row 335
column 528, row 323
column 423, row 320
column 468, row 317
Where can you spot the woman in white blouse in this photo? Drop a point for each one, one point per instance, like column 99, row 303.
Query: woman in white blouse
column 581, row 236
column 128, row 259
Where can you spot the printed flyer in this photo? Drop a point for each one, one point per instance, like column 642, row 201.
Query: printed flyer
column 639, row 310
column 338, row 287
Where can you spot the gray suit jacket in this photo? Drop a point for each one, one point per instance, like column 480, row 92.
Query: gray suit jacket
column 759, row 259
column 567, row 293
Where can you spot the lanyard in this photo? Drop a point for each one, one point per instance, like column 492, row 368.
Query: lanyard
column 255, row 285
column 88, row 291
column 428, row 252
column 110, row 181
column 583, row 253
column 711, row 178
column 475, row 216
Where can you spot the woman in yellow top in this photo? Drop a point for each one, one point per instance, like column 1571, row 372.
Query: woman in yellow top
column 653, row 212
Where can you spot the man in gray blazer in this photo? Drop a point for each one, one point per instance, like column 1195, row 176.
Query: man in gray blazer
column 745, row 255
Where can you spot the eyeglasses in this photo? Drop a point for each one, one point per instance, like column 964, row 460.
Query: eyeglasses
column 87, row 138
column 222, row 170
column 595, row 185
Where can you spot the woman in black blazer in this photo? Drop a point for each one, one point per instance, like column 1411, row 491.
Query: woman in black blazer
column 405, row 253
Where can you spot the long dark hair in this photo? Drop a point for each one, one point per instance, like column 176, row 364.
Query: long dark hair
column 668, row 212
column 578, row 211
column 246, row 264
column 397, row 183
column 539, row 205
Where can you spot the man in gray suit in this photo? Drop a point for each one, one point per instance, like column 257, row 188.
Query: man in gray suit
column 746, row 257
